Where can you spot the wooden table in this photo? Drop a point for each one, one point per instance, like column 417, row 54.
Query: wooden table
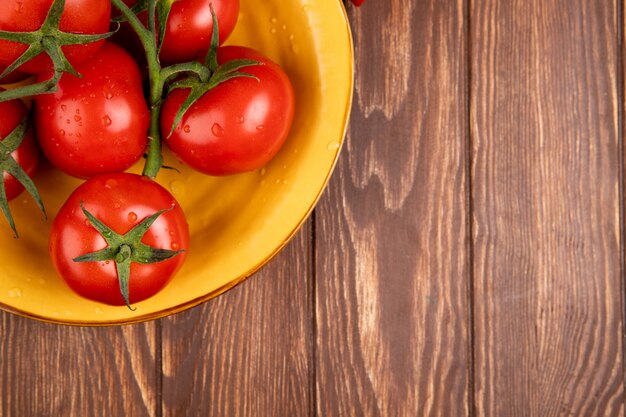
column 467, row 258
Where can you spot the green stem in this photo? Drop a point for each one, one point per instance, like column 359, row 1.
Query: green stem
column 154, row 160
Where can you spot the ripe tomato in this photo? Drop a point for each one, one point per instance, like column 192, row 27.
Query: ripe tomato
column 79, row 16
column 190, row 25
column 120, row 201
column 98, row 123
column 239, row 125
column 189, row 29
column 27, row 154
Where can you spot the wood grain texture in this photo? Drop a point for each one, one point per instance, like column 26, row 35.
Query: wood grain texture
column 391, row 233
column 51, row 370
column 248, row 352
column 546, row 208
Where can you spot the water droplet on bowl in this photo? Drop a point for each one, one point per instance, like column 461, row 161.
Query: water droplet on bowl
column 332, row 146
column 15, row 292
column 178, row 188
column 98, row 311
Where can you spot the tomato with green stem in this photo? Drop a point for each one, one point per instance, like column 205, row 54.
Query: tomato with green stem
column 119, row 239
column 236, row 126
column 186, row 34
column 83, row 17
column 97, row 123
column 19, row 156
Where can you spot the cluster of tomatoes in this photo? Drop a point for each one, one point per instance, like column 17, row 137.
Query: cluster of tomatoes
column 107, row 83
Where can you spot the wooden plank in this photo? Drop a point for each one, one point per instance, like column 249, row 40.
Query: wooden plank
column 247, row 352
column 392, row 231
column 546, row 200
column 52, row 370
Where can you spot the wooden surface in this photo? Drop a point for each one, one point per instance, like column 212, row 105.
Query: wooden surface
column 467, row 258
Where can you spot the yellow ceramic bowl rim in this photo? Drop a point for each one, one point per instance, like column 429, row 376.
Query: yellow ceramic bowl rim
column 206, row 297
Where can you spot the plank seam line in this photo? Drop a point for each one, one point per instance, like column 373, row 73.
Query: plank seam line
column 471, row 360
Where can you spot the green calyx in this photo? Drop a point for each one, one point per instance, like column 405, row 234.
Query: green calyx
column 8, row 164
column 125, row 249
column 47, row 39
column 199, row 84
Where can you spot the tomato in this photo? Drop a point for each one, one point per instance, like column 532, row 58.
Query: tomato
column 79, row 16
column 189, row 29
column 98, row 123
column 27, row 154
column 239, row 125
column 120, row 201
column 190, row 26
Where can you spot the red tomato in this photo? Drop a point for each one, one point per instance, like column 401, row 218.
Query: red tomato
column 190, row 26
column 120, row 201
column 239, row 125
column 79, row 16
column 98, row 123
column 27, row 154
column 189, row 29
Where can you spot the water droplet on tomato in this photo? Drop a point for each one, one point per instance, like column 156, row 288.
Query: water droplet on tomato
column 106, row 120
column 174, row 246
column 64, row 107
column 217, row 130
column 186, row 128
column 240, row 119
column 77, row 118
column 19, row 6
column 110, row 183
column 260, row 128
column 61, row 132
column 87, row 223
column 132, row 217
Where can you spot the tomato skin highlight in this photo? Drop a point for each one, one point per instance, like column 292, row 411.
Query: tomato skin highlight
column 27, row 154
column 121, row 201
column 239, row 125
column 79, row 16
column 98, row 123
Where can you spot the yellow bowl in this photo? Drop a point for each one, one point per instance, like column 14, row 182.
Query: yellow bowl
column 237, row 223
